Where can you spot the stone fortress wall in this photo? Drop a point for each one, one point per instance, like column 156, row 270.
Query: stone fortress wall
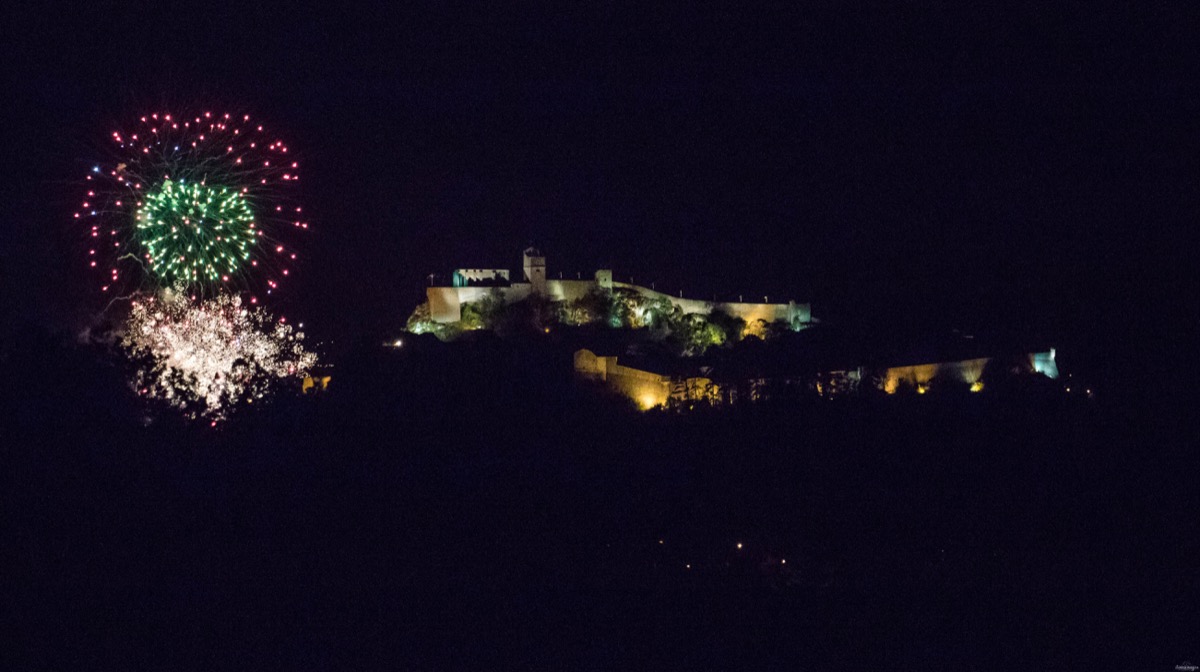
column 644, row 388
column 969, row 371
column 445, row 303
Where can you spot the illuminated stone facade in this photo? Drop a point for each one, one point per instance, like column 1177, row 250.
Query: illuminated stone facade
column 649, row 390
column 967, row 371
column 445, row 303
column 646, row 389
column 466, row 277
column 535, row 271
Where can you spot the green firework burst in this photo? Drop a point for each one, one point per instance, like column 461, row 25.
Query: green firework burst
column 195, row 233
column 204, row 203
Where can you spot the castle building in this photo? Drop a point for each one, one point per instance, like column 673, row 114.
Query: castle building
column 471, row 285
column 466, row 277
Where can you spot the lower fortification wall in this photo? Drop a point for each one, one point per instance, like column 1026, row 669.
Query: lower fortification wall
column 967, row 371
column 646, row 389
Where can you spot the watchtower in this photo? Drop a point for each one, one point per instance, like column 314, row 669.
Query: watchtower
column 535, row 270
column 604, row 278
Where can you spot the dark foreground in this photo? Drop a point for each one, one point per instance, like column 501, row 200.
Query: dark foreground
column 524, row 526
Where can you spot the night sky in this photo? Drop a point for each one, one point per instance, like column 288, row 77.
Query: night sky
column 947, row 166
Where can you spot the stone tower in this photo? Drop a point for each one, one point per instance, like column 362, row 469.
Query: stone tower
column 535, row 270
column 604, row 278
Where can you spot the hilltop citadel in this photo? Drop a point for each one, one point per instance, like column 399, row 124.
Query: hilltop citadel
column 469, row 285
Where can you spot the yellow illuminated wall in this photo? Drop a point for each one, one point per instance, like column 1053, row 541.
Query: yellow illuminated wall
column 648, row 390
column 967, row 371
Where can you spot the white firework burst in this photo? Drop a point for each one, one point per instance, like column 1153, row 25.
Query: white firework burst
column 204, row 357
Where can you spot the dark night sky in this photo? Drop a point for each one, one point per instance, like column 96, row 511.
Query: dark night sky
column 958, row 167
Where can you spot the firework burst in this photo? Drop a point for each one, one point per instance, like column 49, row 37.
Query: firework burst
column 200, row 203
column 205, row 357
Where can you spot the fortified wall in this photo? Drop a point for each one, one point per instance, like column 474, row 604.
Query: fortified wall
column 645, row 388
column 650, row 390
column 969, row 371
column 445, row 303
